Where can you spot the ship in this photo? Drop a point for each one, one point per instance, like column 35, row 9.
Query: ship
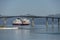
column 25, row 21
column 17, row 22
column 21, row 21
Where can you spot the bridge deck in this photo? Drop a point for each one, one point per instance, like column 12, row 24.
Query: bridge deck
column 29, row 17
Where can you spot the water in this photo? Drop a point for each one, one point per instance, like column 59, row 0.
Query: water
column 38, row 32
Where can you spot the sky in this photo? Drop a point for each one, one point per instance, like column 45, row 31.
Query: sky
column 33, row 7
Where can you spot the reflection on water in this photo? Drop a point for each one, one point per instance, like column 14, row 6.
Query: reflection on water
column 29, row 33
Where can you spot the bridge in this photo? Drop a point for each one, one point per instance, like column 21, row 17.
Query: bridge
column 33, row 17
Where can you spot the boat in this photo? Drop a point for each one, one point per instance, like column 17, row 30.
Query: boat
column 17, row 22
column 25, row 21
column 21, row 21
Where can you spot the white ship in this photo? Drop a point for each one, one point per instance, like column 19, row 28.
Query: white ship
column 17, row 22
column 21, row 22
column 25, row 21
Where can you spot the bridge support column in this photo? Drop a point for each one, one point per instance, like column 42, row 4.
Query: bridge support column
column 58, row 24
column 4, row 21
column 46, row 24
column 52, row 24
column 32, row 22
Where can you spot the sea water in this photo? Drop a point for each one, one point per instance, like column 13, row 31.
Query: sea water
column 38, row 32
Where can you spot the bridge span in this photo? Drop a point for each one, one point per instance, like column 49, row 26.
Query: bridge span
column 32, row 21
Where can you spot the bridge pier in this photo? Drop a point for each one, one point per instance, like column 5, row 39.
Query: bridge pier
column 32, row 22
column 52, row 24
column 58, row 24
column 4, row 21
column 46, row 24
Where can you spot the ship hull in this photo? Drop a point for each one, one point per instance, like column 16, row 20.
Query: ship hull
column 20, row 24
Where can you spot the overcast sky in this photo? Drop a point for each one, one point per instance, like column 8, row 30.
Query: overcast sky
column 34, row 7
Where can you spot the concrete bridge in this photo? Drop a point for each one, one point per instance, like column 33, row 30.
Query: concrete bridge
column 33, row 17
